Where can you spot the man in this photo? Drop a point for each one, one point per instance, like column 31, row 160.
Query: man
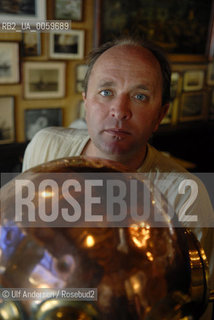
column 127, row 93
column 126, row 96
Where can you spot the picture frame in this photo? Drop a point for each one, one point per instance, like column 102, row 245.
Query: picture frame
column 7, row 122
column 210, row 73
column 193, row 80
column 31, row 44
column 23, row 11
column 163, row 25
column 81, row 70
column 67, row 45
column 68, row 10
column 193, row 106
column 37, row 119
column 44, row 80
column 9, row 62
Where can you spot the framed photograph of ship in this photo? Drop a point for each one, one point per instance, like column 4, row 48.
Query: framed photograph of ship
column 44, row 80
column 37, row 119
column 22, row 11
column 193, row 80
column 193, row 106
column 9, row 62
column 7, row 128
column 67, row 45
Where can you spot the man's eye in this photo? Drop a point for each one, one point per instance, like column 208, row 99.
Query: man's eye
column 140, row 96
column 105, row 93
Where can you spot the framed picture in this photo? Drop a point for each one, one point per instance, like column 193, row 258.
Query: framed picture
column 37, row 119
column 9, row 62
column 163, row 25
column 193, row 106
column 22, row 11
column 31, row 44
column 210, row 74
column 44, row 80
column 193, row 80
column 81, row 70
column 67, row 45
column 68, row 10
column 7, row 129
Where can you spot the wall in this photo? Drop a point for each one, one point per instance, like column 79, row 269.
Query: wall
column 69, row 103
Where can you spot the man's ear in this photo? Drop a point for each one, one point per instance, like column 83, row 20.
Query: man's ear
column 162, row 113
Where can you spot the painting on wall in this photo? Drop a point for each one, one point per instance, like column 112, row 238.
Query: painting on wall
column 44, row 80
column 67, row 45
column 22, row 10
column 179, row 29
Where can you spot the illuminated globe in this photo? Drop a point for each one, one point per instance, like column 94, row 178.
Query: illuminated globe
column 130, row 269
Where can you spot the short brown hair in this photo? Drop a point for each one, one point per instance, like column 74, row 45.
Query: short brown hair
column 155, row 50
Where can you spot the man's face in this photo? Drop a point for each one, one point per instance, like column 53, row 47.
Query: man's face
column 123, row 102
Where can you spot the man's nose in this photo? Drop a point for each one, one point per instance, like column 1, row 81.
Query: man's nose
column 120, row 108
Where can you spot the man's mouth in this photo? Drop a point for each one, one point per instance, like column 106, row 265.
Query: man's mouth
column 117, row 132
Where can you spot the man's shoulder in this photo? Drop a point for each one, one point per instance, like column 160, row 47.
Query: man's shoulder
column 53, row 143
column 61, row 132
column 58, row 136
column 157, row 161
